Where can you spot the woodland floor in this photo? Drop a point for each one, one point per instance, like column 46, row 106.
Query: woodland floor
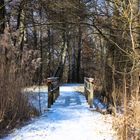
column 69, row 119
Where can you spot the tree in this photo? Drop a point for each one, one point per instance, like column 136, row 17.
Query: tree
column 2, row 16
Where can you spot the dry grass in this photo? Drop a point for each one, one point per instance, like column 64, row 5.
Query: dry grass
column 127, row 124
column 14, row 76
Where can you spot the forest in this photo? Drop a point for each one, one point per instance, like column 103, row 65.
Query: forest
column 71, row 39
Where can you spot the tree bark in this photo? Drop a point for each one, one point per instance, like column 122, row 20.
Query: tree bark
column 79, row 54
column 135, row 40
column 60, row 69
column 2, row 16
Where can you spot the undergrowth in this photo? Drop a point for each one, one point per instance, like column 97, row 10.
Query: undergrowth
column 15, row 75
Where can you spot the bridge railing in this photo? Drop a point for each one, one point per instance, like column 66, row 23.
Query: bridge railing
column 89, row 90
column 53, row 90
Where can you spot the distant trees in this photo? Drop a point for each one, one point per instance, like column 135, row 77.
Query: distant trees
column 62, row 32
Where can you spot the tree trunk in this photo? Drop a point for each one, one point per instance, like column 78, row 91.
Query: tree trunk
column 60, row 69
column 73, row 65
column 34, row 32
column 2, row 16
column 79, row 54
column 50, row 54
column 135, row 40
column 21, row 27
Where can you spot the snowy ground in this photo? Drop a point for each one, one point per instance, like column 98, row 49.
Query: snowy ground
column 69, row 119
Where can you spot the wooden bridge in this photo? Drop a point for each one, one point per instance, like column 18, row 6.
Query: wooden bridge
column 53, row 90
column 68, row 117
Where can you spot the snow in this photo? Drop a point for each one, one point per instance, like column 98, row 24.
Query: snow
column 69, row 119
column 37, row 93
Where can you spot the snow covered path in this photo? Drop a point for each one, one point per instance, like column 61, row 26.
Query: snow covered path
column 68, row 119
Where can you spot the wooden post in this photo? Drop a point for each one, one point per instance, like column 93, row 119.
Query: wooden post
column 91, row 96
column 89, row 90
column 57, row 92
column 85, row 87
column 53, row 90
column 49, row 94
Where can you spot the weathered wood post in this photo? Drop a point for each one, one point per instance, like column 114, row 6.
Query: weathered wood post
column 85, row 88
column 49, row 92
column 89, row 90
column 57, row 92
column 53, row 90
column 90, row 98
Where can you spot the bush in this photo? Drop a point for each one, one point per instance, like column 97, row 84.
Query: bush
column 14, row 76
